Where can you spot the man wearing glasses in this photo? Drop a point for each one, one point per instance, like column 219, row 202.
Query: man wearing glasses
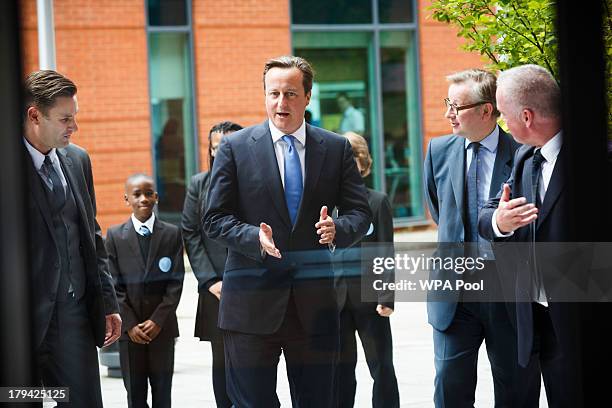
column 462, row 171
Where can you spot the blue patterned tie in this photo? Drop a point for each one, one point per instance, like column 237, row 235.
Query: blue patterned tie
column 144, row 231
column 473, row 183
column 293, row 178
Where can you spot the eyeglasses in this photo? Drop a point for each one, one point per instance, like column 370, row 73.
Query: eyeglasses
column 455, row 109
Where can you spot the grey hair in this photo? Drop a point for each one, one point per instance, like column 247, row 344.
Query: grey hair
column 533, row 87
column 484, row 85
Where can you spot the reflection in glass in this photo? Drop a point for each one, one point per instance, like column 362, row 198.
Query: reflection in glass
column 338, row 12
column 171, row 112
column 341, row 95
column 400, row 125
column 167, row 12
column 395, row 11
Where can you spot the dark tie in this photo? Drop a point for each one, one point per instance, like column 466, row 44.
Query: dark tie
column 59, row 195
column 537, row 284
column 538, row 159
column 293, row 178
column 473, row 182
column 144, row 241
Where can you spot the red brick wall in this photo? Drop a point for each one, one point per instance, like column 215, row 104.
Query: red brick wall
column 440, row 55
column 233, row 40
column 101, row 46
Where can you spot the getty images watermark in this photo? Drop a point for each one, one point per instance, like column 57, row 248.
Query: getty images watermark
column 483, row 272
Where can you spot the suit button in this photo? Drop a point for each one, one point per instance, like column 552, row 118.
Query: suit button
column 56, row 265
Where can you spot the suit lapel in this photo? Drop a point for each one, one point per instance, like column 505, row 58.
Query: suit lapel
column 315, row 158
column 156, row 236
column 555, row 186
column 264, row 157
column 503, row 164
column 75, row 184
column 129, row 235
column 38, row 194
column 458, row 174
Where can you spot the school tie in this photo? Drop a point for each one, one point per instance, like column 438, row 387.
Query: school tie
column 59, row 195
column 144, row 231
column 473, row 183
column 293, row 178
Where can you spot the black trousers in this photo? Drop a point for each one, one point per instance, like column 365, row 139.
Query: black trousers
column 148, row 363
column 251, row 362
column 375, row 334
column 218, row 375
column 558, row 362
column 68, row 357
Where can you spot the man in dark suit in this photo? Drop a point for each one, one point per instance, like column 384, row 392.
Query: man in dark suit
column 533, row 207
column 146, row 261
column 462, row 171
column 74, row 303
column 271, row 187
column 207, row 258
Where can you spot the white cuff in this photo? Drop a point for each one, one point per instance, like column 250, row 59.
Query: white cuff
column 496, row 231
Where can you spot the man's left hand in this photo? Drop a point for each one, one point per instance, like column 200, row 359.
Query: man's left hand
column 113, row 329
column 151, row 328
column 326, row 228
column 384, row 311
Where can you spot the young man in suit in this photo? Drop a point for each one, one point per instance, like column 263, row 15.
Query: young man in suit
column 534, row 207
column 462, row 171
column 146, row 261
column 271, row 187
column 207, row 260
column 73, row 301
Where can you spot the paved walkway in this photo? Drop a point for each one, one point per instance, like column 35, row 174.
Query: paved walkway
column 413, row 357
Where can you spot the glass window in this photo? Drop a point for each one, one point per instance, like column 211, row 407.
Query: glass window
column 167, row 12
column 171, row 111
column 402, row 145
column 395, row 11
column 342, row 97
column 339, row 12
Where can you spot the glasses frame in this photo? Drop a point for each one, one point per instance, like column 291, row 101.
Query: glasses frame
column 456, row 109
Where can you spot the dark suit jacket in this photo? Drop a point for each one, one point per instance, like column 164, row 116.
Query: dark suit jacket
column 207, row 257
column 357, row 277
column 99, row 293
column 246, row 189
column 145, row 291
column 445, row 194
column 551, row 226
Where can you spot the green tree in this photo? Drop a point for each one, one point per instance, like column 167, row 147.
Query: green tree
column 516, row 32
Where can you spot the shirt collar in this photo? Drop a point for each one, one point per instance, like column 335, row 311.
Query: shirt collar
column 148, row 223
column 299, row 134
column 551, row 149
column 37, row 157
column 490, row 142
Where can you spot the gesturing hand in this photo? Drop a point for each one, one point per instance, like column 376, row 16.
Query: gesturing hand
column 113, row 329
column 514, row 214
column 326, row 228
column 266, row 241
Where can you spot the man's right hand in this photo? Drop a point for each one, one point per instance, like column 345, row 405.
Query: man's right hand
column 215, row 289
column 266, row 241
column 514, row 214
column 137, row 335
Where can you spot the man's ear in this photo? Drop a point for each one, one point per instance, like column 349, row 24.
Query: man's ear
column 33, row 115
column 527, row 117
column 126, row 200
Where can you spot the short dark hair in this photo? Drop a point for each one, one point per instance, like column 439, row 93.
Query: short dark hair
column 43, row 87
column 290, row 61
column 224, row 127
column 137, row 176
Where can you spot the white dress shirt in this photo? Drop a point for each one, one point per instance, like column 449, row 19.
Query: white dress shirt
column 148, row 223
column 280, row 147
column 38, row 159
